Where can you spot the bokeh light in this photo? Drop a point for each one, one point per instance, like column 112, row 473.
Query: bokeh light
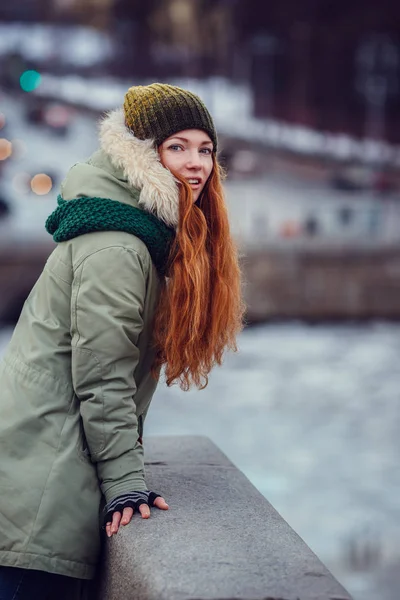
column 41, row 184
column 2, row 120
column 21, row 183
column 5, row 148
column 30, row 80
column 290, row 229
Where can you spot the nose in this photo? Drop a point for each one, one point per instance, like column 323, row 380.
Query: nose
column 193, row 160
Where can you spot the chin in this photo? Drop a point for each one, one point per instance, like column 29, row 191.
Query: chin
column 197, row 195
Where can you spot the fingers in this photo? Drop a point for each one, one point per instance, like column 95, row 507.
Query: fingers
column 112, row 526
column 160, row 503
column 144, row 511
column 127, row 516
column 115, row 522
column 108, row 529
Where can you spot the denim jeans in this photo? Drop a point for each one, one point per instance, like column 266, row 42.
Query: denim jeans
column 26, row 584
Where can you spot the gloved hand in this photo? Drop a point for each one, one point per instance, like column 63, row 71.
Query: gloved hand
column 119, row 511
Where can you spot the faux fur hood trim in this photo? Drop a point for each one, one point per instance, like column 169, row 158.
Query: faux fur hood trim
column 141, row 165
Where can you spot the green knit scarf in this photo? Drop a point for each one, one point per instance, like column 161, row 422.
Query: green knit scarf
column 85, row 215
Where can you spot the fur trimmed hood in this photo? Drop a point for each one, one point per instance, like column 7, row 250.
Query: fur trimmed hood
column 141, row 165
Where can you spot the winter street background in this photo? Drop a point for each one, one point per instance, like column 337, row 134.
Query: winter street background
column 305, row 99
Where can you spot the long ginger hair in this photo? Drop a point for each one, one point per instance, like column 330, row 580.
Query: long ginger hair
column 200, row 310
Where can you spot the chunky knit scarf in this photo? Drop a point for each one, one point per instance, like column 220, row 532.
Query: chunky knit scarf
column 84, row 215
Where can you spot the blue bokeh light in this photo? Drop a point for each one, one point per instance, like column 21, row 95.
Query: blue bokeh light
column 30, row 80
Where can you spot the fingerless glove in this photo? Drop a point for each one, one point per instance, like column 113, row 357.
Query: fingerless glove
column 130, row 499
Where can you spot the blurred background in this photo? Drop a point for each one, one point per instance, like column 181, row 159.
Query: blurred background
column 305, row 96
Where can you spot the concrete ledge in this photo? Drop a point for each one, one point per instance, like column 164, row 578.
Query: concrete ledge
column 220, row 538
column 322, row 283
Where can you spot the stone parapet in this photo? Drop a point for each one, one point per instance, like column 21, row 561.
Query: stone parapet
column 318, row 282
column 221, row 539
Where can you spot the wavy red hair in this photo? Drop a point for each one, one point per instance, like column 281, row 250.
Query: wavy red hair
column 200, row 311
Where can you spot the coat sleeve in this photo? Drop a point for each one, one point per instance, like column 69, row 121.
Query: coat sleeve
column 107, row 301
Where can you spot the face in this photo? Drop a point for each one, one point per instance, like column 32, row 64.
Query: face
column 189, row 154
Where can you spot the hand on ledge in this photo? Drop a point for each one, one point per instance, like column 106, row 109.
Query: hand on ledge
column 120, row 510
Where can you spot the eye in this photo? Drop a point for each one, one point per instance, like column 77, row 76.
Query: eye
column 175, row 147
column 206, row 150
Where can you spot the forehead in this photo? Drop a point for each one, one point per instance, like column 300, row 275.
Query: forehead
column 197, row 136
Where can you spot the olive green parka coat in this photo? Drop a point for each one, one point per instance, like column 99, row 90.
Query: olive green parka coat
column 75, row 381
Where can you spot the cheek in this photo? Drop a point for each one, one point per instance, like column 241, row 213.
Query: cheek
column 208, row 169
column 170, row 161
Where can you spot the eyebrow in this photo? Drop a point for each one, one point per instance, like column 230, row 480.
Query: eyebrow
column 177, row 137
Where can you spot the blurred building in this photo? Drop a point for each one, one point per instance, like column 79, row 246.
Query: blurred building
column 95, row 13
column 89, row 12
column 166, row 38
column 25, row 10
column 328, row 65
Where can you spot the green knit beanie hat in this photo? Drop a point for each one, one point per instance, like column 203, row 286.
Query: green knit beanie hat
column 159, row 110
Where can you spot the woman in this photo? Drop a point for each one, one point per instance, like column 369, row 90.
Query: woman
column 145, row 275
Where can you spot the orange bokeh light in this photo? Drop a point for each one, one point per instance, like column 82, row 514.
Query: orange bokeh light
column 5, row 148
column 41, row 184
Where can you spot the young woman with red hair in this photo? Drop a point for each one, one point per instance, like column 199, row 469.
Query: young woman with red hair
column 145, row 275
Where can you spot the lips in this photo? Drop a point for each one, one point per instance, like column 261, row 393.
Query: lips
column 194, row 181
